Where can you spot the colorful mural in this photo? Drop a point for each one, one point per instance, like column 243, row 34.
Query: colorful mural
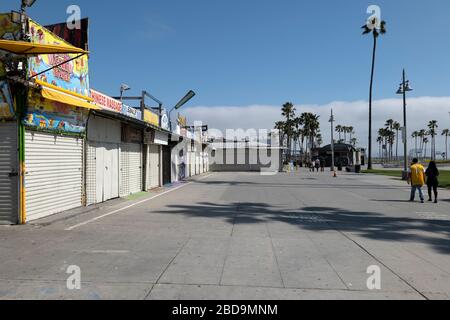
column 72, row 76
column 54, row 116
column 6, row 105
column 8, row 31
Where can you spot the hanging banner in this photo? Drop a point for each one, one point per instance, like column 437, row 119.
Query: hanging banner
column 50, row 115
column 72, row 76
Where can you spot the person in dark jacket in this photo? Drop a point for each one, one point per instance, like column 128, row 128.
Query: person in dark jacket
column 432, row 174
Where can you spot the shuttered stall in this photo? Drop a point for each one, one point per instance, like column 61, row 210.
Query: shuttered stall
column 102, row 160
column 9, row 169
column 153, row 166
column 131, row 169
column 54, row 173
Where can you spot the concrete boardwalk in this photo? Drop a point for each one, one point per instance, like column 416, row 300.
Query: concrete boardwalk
column 240, row 236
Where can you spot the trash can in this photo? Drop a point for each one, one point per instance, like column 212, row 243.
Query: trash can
column 358, row 168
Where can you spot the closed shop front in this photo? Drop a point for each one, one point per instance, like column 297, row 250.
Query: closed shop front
column 54, row 173
column 131, row 161
column 153, row 166
column 9, row 179
column 102, row 160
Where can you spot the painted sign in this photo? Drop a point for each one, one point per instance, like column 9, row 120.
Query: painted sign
column 105, row 102
column 8, row 31
column 151, row 118
column 72, row 76
column 54, row 116
column 131, row 112
column 6, row 104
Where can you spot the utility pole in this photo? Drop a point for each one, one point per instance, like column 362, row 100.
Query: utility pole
column 332, row 141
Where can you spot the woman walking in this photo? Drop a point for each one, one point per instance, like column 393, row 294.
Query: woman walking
column 432, row 174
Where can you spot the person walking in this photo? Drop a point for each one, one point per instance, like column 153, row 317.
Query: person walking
column 322, row 165
column 317, row 165
column 416, row 178
column 432, row 174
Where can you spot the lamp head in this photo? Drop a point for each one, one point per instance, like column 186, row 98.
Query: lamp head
column 124, row 87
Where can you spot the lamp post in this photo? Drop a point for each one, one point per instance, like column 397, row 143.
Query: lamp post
column 332, row 141
column 191, row 94
column 404, row 88
column 123, row 88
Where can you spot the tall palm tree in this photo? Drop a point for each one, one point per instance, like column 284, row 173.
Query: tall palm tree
column 433, row 125
column 397, row 127
column 339, row 130
column 375, row 33
column 425, row 143
column 446, row 134
column 390, row 126
column 311, row 127
column 380, row 146
column 288, row 111
column 422, row 135
column 353, row 142
column 351, row 131
column 415, row 135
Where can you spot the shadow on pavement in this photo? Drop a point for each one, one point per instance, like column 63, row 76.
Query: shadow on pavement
column 434, row 231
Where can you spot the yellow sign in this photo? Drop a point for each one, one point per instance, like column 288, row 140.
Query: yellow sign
column 151, row 118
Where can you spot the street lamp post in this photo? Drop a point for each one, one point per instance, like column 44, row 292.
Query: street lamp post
column 332, row 141
column 123, row 88
column 404, row 88
column 183, row 101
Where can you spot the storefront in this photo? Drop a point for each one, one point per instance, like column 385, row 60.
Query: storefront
column 102, row 159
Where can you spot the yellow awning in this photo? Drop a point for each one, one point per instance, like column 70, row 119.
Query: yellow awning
column 51, row 86
column 62, row 97
column 28, row 48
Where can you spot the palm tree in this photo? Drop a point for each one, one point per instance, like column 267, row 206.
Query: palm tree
column 415, row 135
column 380, row 146
column 383, row 134
column 433, row 125
column 397, row 127
column 311, row 128
column 280, row 126
column 288, row 111
column 446, row 134
column 422, row 135
column 319, row 139
column 390, row 126
column 351, row 131
column 425, row 143
column 375, row 33
column 339, row 129
column 353, row 142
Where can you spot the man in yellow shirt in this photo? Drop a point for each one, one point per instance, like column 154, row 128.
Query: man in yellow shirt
column 417, row 180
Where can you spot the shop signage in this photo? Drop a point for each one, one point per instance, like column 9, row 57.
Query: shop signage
column 131, row 112
column 165, row 122
column 105, row 102
column 43, row 114
column 72, row 76
column 151, row 118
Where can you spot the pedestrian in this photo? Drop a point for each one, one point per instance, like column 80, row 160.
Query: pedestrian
column 416, row 177
column 322, row 165
column 317, row 165
column 432, row 174
column 295, row 165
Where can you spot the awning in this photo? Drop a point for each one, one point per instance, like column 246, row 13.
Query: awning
column 59, row 96
column 28, row 48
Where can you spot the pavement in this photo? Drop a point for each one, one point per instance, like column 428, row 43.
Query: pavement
column 296, row 236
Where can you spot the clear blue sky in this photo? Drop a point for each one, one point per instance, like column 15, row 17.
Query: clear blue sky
column 235, row 52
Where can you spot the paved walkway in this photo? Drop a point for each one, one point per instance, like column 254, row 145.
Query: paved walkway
column 240, row 236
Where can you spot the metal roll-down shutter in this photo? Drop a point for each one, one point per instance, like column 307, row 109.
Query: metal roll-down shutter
column 54, row 175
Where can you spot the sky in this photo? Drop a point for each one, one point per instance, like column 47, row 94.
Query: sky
column 244, row 59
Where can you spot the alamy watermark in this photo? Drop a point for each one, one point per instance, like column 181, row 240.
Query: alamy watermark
column 74, row 19
column 374, row 281
column 74, row 280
